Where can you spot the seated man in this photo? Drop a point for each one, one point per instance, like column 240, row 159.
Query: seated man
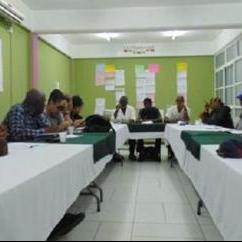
column 177, row 113
column 55, row 109
column 218, row 114
column 26, row 121
column 149, row 113
column 77, row 106
column 126, row 114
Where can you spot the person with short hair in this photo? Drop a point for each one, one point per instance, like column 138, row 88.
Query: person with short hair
column 77, row 106
column 126, row 114
column 150, row 113
column 179, row 112
column 26, row 121
column 175, row 114
column 218, row 114
column 55, row 109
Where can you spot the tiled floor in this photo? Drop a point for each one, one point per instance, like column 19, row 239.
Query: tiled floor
column 144, row 202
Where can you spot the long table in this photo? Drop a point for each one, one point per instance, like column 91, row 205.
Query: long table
column 38, row 183
column 217, row 180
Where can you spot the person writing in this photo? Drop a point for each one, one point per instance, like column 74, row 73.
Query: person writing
column 26, row 121
column 55, row 111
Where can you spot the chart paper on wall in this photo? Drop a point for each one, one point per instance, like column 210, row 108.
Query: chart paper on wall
column 182, row 70
column 100, row 106
column 120, row 78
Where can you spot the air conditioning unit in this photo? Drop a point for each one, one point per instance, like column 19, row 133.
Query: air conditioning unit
column 8, row 11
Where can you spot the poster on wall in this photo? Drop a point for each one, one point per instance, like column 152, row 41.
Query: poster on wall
column 1, row 68
column 182, row 69
column 100, row 75
column 145, row 83
column 100, row 106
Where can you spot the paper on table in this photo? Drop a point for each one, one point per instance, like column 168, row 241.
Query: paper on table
column 1, row 67
column 120, row 78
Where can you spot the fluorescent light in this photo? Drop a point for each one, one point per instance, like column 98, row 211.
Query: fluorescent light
column 174, row 34
column 108, row 36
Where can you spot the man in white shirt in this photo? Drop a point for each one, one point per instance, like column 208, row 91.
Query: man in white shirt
column 125, row 114
column 177, row 113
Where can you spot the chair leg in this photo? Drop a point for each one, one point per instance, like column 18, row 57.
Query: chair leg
column 95, row 186
column 92, row 194
column 199, row 207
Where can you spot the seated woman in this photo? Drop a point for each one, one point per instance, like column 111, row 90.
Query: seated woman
column 216, row 113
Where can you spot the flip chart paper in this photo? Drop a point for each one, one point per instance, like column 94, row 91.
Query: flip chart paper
column 120, row 78
column 100, row 79
column 110, row 85
column 100, row 106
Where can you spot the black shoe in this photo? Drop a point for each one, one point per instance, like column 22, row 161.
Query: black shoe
column 158, row 158
column 66, row 225
column 132, row 157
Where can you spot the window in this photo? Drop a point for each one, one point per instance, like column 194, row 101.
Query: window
column 228, row 84
column 232, row 52
column 220, row 60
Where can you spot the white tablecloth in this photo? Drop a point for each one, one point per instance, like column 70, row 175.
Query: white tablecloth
column 39, row 184
column 218, row 181
column 123, row 135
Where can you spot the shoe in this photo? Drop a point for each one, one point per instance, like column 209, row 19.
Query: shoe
column 66, row 225
column 141, row 157
column 132, row 157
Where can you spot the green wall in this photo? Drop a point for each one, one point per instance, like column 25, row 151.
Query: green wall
column 53, row 67
column 200, row 81
column 16, row 65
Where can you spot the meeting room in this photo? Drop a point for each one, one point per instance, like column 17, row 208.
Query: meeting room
column 120, row 120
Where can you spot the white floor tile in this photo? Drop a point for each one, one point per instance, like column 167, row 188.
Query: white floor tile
column 113, row 212
column 179, row 213
column 150, row 213
column 212, row 233
column 189, row 231
column 164, row 239
column 114, row 232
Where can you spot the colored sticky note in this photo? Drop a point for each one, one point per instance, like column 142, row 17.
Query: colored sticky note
column 139, row 68
column 110, row 69
column 100, row 68
column 154, row 68
column 182, row 67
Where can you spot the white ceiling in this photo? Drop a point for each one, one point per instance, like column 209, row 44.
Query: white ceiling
column 101, row 4
column 142, row 37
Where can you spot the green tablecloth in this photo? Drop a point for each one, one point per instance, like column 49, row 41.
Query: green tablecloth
column 195, row 139
column 146, row 128
column 103, row 143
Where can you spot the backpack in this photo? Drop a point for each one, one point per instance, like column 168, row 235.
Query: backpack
column 230, row 149
column 97, row 124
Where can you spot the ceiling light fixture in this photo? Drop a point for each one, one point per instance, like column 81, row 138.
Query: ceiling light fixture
column 108, row 36
column 174, row 34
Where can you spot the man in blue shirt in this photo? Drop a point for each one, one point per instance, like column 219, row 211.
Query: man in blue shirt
column 26, row 121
